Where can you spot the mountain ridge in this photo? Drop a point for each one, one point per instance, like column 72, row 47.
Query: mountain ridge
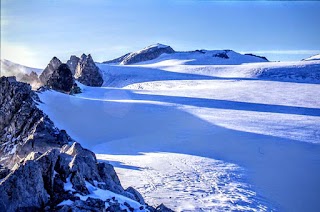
column 159, row 52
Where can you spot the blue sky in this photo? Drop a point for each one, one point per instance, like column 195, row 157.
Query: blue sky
column 34, row 31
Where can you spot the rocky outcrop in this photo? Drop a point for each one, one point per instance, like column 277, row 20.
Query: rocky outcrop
column 87, row 72
column 148, row 53
column 62, row 80
column 73, row 63
column 222, row 55
column 117, row 60
column 51, row 67
column 59, row 77
column 261, row 57
column 23, row 127
column 72, row 174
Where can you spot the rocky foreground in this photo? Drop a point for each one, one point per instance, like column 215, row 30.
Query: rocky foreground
column 43, row 169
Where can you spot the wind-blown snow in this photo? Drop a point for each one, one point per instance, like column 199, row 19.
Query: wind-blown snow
column 9, row 68
column 204, row 137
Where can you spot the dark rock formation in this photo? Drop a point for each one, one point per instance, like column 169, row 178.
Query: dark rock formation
column 61, row 79
column 163, row 208
column 47, row 72
column 222, row 55
column 117, row 60
column 253, row 55
column 23, row 127
column 148, row 53
column 72, row 63
column 87, row 72
column 58, row 175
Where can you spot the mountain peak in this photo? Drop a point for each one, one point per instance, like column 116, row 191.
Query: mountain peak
column 157, row 45
column 314, row 57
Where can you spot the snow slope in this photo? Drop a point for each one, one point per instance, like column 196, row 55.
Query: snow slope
column 204, row 137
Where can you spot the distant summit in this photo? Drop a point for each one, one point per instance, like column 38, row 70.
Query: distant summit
column 148, row 53
column 159, row 52
column 314, row 57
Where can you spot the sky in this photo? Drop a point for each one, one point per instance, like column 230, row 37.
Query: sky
column 34, row 31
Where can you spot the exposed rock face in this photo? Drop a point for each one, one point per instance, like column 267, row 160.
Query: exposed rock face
column 47, row 72
column 72, row 63
column 148, row 53
column 61, row 79
column 87, row 72
column 253, row 55
column 23, row 127
column 70, row 173
column 117, row 60
column 221, row 55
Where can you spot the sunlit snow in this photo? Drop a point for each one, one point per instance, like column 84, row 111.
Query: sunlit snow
column 204, row 137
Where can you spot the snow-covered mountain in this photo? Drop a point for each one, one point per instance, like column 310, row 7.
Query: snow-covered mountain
column 314, row 57
column 162, row 53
